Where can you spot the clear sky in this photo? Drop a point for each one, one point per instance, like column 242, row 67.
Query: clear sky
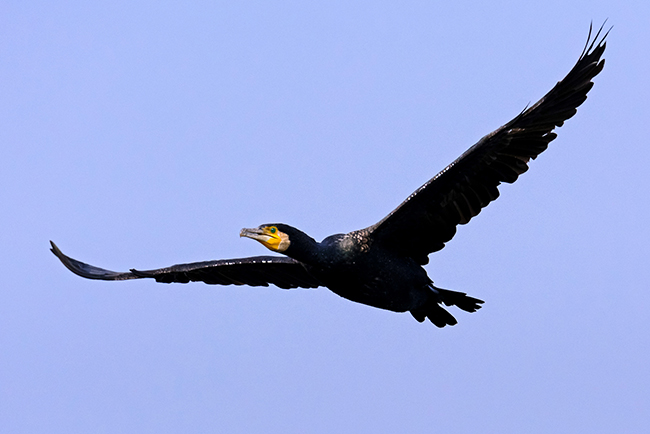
column 144, row 134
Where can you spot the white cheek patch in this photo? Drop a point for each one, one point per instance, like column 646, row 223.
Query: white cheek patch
column 284, row 242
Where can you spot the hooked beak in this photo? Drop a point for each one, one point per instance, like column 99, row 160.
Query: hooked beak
column 256, row 234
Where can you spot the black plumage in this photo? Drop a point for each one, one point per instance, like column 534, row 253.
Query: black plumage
column 381, row 265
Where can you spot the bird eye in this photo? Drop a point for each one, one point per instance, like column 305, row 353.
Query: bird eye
column 273, row 230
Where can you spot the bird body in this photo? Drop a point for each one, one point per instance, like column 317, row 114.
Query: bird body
column 381, row 266
column 372, row 276
column 359, row 268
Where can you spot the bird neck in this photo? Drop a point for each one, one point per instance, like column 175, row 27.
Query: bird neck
column 304, row 248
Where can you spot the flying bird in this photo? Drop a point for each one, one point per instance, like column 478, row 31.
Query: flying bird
column 382, row 265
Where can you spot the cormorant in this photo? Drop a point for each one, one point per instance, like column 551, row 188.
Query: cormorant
column 381, row 265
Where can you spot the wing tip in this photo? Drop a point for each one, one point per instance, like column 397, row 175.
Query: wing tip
column 597, row 42
column 54, row 249
column 59, row 254
column 86, row 270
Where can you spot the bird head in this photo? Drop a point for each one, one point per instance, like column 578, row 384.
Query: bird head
column 273, row 236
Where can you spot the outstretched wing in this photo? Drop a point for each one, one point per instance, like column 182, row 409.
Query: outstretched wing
column 282, row 272
column 428, row 218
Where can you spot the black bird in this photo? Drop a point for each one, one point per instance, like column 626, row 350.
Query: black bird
column 381, row 265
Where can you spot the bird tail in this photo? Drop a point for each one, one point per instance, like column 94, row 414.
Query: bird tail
column 439, row 316
column 459, row 299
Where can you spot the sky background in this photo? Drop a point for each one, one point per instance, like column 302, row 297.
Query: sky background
column 144, row 134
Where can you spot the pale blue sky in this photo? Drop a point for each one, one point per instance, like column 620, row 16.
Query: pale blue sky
column 143, row 134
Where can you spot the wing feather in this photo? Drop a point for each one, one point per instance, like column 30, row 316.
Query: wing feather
column 428, row 218
column 282, row 272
